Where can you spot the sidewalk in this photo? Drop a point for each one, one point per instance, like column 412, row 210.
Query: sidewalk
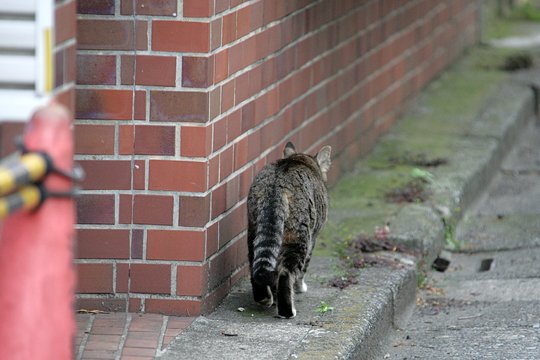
column 486, row 305
column 466, row 120
column 125, row 336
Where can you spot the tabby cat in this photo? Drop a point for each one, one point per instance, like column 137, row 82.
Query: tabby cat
column 287, row 207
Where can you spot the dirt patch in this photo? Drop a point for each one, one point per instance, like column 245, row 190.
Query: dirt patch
column 359, row 253
column 418, row 160
column 517, row 62
column 412, row 192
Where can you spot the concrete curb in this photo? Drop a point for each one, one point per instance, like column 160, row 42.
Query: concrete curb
column 364, row 314
column 355, row 327
column 505, row 113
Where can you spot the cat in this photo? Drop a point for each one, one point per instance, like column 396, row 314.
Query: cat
column 287, row 207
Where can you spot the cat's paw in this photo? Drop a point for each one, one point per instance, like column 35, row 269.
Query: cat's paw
column 300, row 288
column 266, row 302
column 287, row 314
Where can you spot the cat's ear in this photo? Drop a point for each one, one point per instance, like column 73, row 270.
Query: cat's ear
column 323, row 158
column 289, row 150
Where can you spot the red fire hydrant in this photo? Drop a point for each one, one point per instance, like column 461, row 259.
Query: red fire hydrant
column 36, row 273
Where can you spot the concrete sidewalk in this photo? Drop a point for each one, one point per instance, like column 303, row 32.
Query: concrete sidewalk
column 469, row 118
column 487, row 304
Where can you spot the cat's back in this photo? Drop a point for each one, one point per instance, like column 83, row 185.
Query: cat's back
column 299, row 172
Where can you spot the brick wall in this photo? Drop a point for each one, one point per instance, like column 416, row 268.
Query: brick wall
column 180, row 104
column 64, row 63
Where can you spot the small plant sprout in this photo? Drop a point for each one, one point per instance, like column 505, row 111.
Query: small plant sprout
column 324, row 308
column 423, row 175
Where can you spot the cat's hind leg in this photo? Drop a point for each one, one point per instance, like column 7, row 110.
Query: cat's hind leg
column 289, row 272
column 285, row 295
column 300, row 285
column 262, row 294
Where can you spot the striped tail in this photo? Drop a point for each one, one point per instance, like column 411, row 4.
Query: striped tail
column 268, row 237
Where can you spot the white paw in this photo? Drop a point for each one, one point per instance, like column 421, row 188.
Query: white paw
column 267, row 302
column 287, row 317
column 302, row 288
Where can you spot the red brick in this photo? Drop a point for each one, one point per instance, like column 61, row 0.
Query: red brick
column 96, row 70
column 150, row 70
column 249, row 51
column 94, row 278
column 256, row 19
column 220, row 134
column 228, row 34
column 222, row 5
column 215, row 34
column 94, row 139
column 226, row 162
column 190, row 280
column 240, row 153
column 137, row 353
column 255, row 81
column 198, row 8
column 135, row 306
column 215, row 103
column 137, row 243
column 108, row 104
column 232, row 225
column 178, row 36
column 59, row 68
column 221, row 66
column 236, row 2
column 139, row 176
column 150, row 278
column 178, row 106
column 213, row 171
column 65, row 20
column 234, row 126
column 219, row 201
column 248, row 116
column 222, row 265
column 106, row 174
column 195, row 141
column 96, row 7
column 182, row 245
column 194, row 211
column 147, row 209
column 150, row 7
column 270, row 11
column 177, row 175
column 232, row 189
column 173, row 307
column 102, row 244
column 197, row 72
column 149, row 140
column 103, row 304
column 218, row 293
column 122, row 278
column 95, row 209
column 246, row 178
column 227, row 95
column 111, row 34
column 243, row 18
column 241, row 88
column 212, row 240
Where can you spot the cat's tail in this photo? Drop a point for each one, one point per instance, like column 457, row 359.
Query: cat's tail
column 268, row 238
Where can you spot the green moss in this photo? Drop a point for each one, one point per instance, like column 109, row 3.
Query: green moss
column 515, row 22
column 525, row 11
column 445, row 109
